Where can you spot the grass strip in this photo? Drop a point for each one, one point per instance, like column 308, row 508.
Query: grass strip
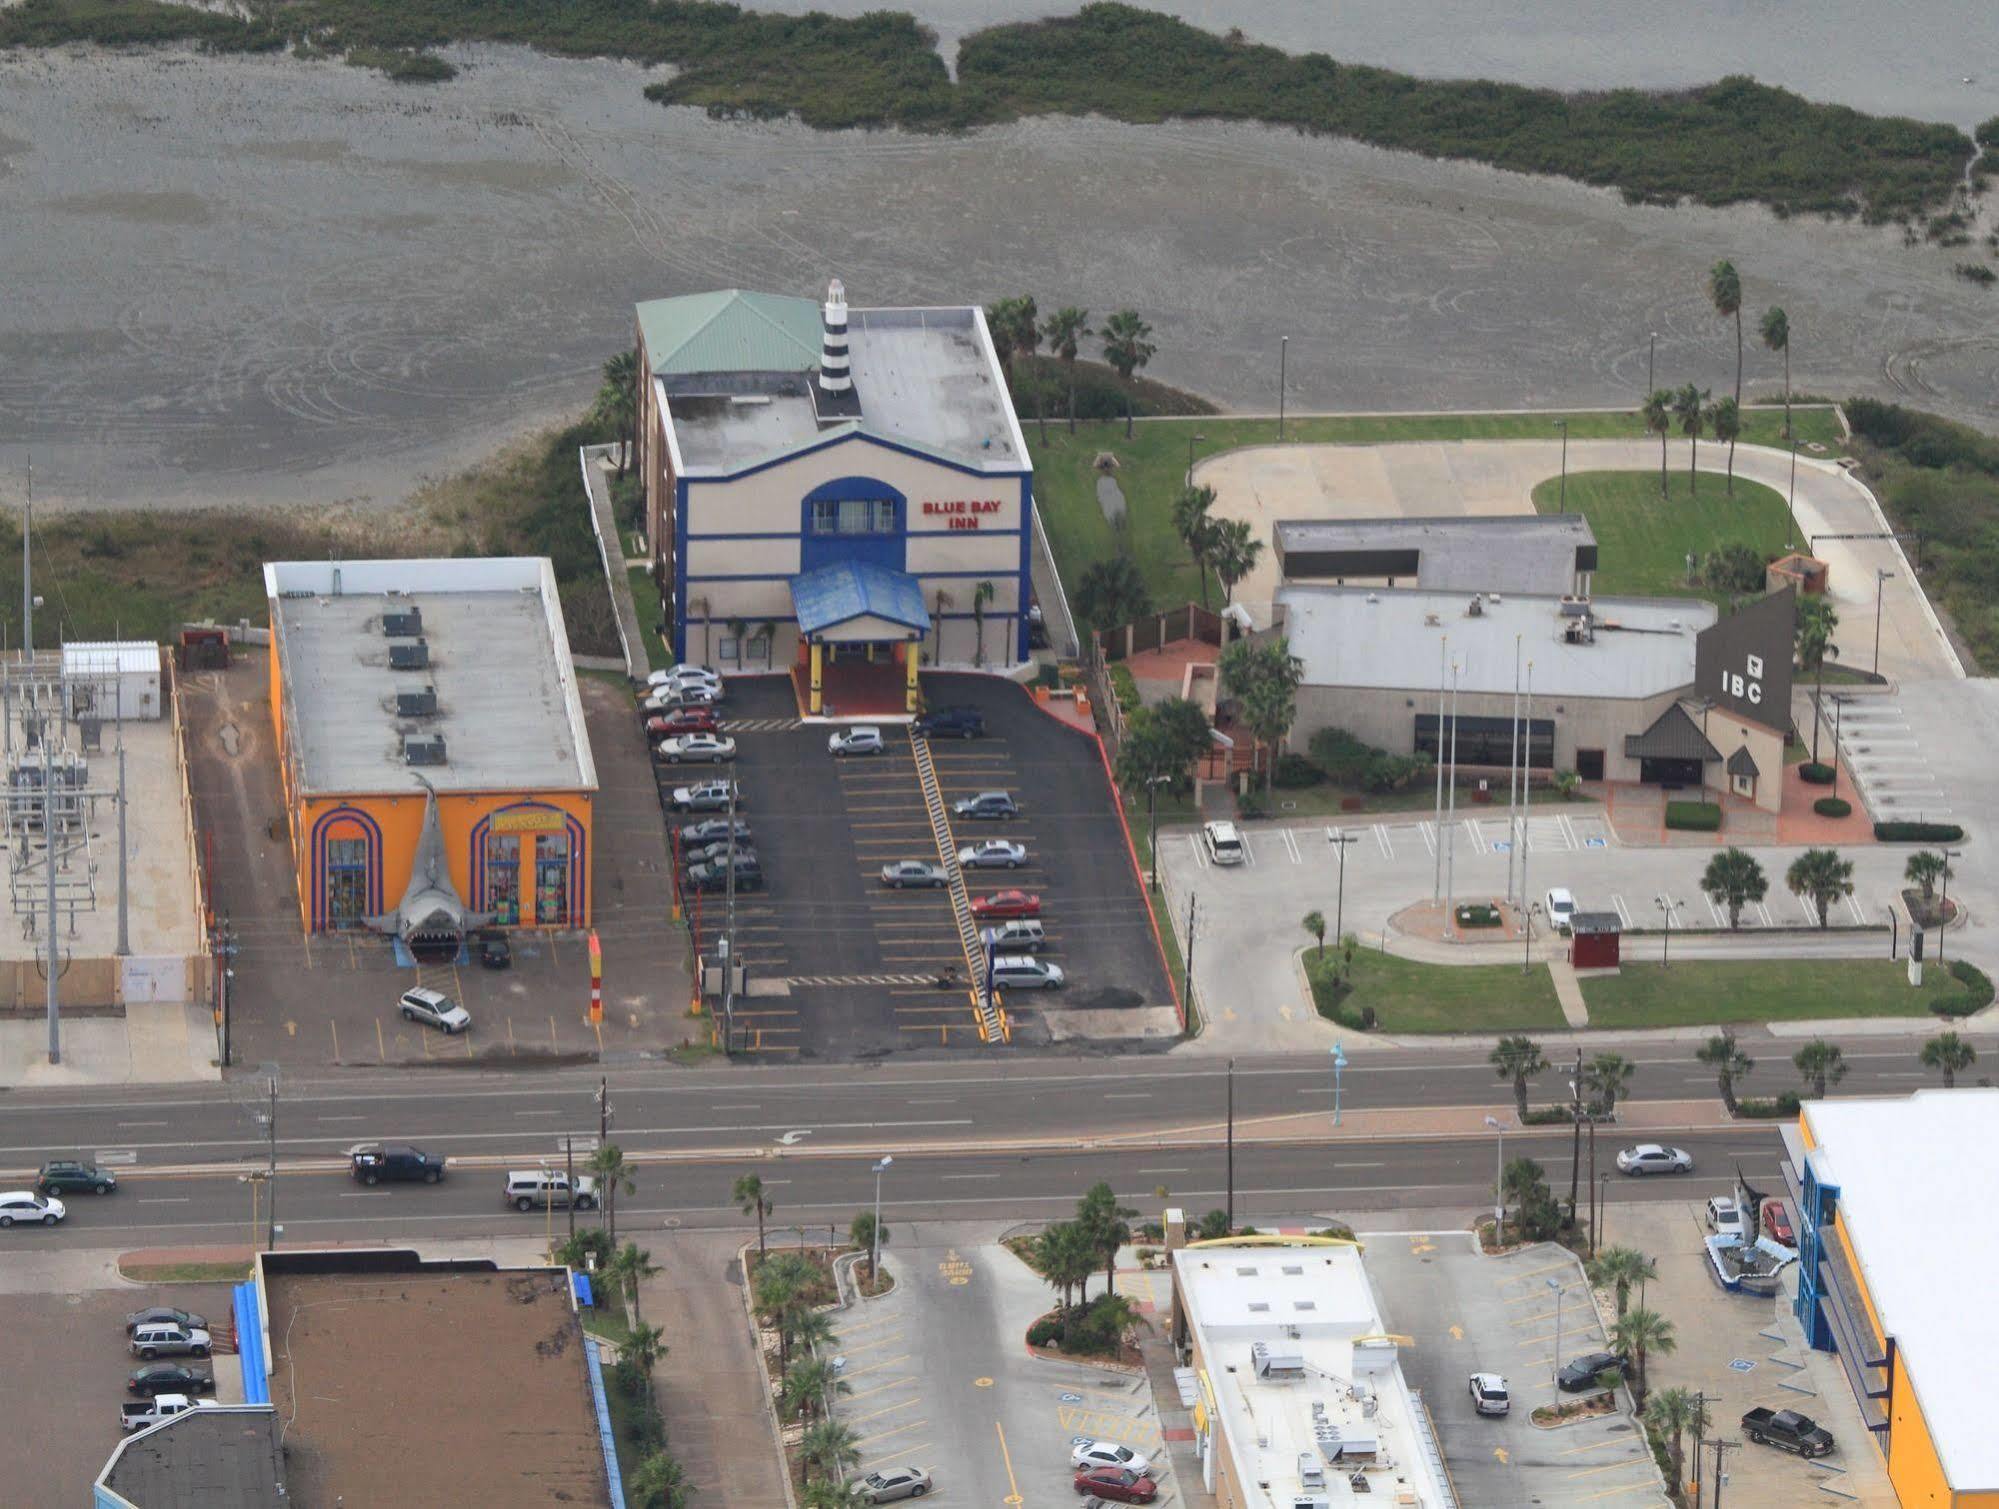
column 1408, row 996
column 1702, row 991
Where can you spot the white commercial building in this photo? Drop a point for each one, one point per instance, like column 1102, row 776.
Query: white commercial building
column 1300, row 1399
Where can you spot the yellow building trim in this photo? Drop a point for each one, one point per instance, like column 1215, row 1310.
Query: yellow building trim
column 1276, row 1239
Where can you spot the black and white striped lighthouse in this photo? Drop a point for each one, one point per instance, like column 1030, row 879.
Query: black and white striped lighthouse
column 834, row 374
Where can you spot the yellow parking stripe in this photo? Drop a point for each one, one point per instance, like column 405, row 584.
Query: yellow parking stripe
column 885, row 1434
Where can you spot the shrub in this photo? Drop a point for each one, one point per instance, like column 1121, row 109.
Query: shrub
column 1918, row 833
column 1214, row 1224
column 1549, row 1116
column 1478, row 914
column 1815, row 773
column 1693, row 817
column 1124, row 687
column 1976, row 995
column 1252, row 805
column 1738, row 569
column 1976, row 272
column 1048, row 674
column 1338, row 1231
column 1044, row 1331
column 1786, row 1104
column 1294, row 770
column 1337, row 752
column 1833, row 806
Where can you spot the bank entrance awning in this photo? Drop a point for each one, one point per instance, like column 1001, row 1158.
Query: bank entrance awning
column 855, row 602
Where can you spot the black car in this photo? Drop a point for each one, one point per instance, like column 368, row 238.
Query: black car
column 715, row 876
column 1584, row 1371
column 711, row 830
column 495, row 952
column 715, row 853
column 396, row 1161
column 68, row 1175
column 951, row 723
column 170, row 1378
column 164, row 1315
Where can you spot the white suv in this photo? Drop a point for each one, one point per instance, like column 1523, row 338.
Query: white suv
column 1223, row 843
column 435, row 1008
column 1025, row 972
column 1561, row 909
column 167, row 1339
column 29, row 1208
column 531, row 1189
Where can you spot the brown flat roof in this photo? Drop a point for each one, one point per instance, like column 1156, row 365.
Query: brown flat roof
column 434, row 1387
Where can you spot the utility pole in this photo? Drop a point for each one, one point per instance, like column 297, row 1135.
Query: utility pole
column 271, row 1176
column 1592, row 1182
column 1187, row 993
column 1526, row 793
column 28, row 572
column 729, row 936
column 1576, row 1149
column 118, row 704
column 1720, row 1446
column 1231, row 1156
column 53, row 971
column 569, row 1168
column 604, row 1108
column 1700, row 1417
column 1450, row 834
column 1283, row 364
column 1437, row 820
column 1513, row 772
column 1341, row 838
column 225, row 971
column 1881, row 574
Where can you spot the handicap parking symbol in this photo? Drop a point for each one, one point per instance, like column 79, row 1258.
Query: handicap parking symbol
column 1072, row 1398
column 1593, row 843
column 1501, row 846
column 1741, row 1364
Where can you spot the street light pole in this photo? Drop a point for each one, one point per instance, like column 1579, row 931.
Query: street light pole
column 1341, row 838
column 1339, row 1063
column 1152, row 810
column 1563, row 505
column 1556, row 1285
column 875, row 1250
column 1667, row 906
column 1231, row 1154
column 1283, row 363
column 1498, row 1180
column 1792, row 506
column 1838, row 707
column 1881, row 574
column 1651, row 351
column 1192, row 440
column 1943, row 906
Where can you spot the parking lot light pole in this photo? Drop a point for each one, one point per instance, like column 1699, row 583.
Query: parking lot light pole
column 1881, row 574
column 875, row 1250
column 1667, row 906
column 1342, row 838
column 1563, row 503
column 1339, row 1063
column 1943, row 905
column 1556, row 1285
column 1498, row 1178
column 1152, row 785
column 1839, row 701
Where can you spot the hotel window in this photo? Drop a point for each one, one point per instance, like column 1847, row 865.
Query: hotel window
column 853, row 516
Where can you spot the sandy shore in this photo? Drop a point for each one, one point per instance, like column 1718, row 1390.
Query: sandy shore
column 255, row 280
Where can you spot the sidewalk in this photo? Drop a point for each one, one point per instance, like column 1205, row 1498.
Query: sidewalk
column 154, row 1043
column 611, row 552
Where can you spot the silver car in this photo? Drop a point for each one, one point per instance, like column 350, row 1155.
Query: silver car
column 893, row 1483
column 913, row 872
column 855, row 741
column 993, row 854
column 434, row 1008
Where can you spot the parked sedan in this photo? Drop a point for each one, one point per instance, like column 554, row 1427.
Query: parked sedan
column 164, row 1315
column 434, row 1009
column 993, row 854
column 678, row 675
column 1651, row 1158
column 688, row 720
column 67, row 1175
column 1004, row 904
column 711, row 829
column 952, row 723
column 713, row 748
column 855, row 741
column 908, row 873
column 1583, row 1373
column 1118, row 1484
column 495, row 952
column 1777, row 1223
column 893, row 1483
column 709, row 796
column 170, row 1378
column 1109, row 1454
column 29, row 1209
column 708, row 854
column 987, row 804
column 672, row 699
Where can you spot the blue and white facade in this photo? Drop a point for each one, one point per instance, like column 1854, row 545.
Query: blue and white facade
column 780, row 437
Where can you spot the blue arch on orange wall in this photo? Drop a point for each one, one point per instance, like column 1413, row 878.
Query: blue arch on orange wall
column 578, row 858
column 323, row 829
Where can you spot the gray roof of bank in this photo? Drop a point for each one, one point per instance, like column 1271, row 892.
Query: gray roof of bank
column 507, row 699
column 1538, row 553
column 1392, row 638
column 926, row 379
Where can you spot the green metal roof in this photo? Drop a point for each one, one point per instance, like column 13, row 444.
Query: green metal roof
column 730, row 330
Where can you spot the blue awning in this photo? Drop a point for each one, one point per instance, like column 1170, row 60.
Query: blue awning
column 838, row 594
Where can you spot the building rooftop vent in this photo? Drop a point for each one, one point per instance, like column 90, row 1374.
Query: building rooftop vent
column 1276, row 1366
column 403, row 623
column 1476, row 607
column 409, row 655
column 418, row 702
column 423, row 749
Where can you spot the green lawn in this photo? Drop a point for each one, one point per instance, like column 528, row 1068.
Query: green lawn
column 1759, row 990
column 1644, row 541
column 645, row 598
column 1412, row 997
column 1152, row 468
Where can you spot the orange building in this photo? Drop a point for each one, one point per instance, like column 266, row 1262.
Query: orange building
column 436, row 771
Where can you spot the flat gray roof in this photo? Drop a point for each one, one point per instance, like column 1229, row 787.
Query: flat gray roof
column 209, row 1458
column 1364, row 637
column 507, row 703
column 1531, row 553
column 925, row 378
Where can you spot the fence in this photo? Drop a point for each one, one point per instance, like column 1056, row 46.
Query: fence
column 1157, row 630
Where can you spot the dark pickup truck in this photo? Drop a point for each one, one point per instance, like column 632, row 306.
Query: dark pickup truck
column 1787, row 1430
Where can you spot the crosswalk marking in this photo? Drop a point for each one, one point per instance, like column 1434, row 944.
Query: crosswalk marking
column 796, row 980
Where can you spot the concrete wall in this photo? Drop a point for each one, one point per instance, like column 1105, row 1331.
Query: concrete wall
column 1728, row 733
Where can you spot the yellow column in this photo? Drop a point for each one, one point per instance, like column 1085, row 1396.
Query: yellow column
column 818, row 670
column 910, row 660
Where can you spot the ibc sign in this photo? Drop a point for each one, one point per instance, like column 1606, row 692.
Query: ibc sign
column 1744, row 661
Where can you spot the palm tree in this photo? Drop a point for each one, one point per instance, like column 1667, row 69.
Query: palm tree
column 1729, row 1063
column 1777, row 336
column 1106, row 1226
column 1671, row 1412
column 629, row 1268
column 1065, row 331
column 1066, row 1259
column 1196, row 529
column 1658, row 416
column 751, row 1200
column 643, row 1347
column 621, row 375
column 1012, row 324
column 1519, row 1059
column 1821, row 877
column 1111, row 592
column 1949, row 1053
column 659, row 1482
column 829, row 1446
column 1236, row 551
column 1619, row 1268
column 944, row 600
column 811, row 1329
column 1817, row 621
column 809, row 1386
column 1690, row 408
column 869, row 1234
column 1925, row 868
column 981, row 595
column 1608, row 1078
column 1724, row 290
column 1819, row 1063
column 614, row 1178
column 1315, row 924
column 1725, row 419
column 1127, row 349
column 1640, row 1333
column 1734, row 880
column 1521, row 1183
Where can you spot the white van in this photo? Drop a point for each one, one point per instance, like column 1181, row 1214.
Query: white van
column 1224, row 844
column 1025, row 972
column 1021, row 935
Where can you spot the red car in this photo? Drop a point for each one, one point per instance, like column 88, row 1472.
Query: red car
column 1119, row 1484
column 1777, row 1225
column 689, row 720
column 1002, row 904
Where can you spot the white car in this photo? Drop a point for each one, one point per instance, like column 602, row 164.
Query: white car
column 30, row 1209
column 1651, row 1158
column 1488, row 1394
column 679, row 674
column 1110, row 1454
column 993, row 854
column 855, row 741
column 435, row 1008
column 1223, row 843
column 713, row 748
column 1724, row 1217
column 671, row 699
column 1561, row 904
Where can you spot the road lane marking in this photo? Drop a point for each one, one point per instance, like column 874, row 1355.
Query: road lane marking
column 123, row 1124
column 167, row 1200
column 947, row 1178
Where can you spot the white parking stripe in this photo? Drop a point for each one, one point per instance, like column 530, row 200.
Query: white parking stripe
column 1200, row 851
column 1291, row 844
column 1764, row 912
column 1623, row 911
column 1720, row 917
column 1859, row 916
column 1381, row 838
column 1429, row 835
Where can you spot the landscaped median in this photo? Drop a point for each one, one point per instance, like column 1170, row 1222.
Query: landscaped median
column 1385, row 993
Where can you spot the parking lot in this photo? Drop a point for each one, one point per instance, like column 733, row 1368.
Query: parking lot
column 62, row 1406
column 843, row 966
column 942, row 1379
column 304, row 999
column 1467, row 1313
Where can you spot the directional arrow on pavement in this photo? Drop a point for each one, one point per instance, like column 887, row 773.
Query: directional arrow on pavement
column 1457, row 1333
column 1500, row 1453
column 790, row 1139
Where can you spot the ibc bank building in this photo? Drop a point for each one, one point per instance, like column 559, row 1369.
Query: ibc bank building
column 841, row 493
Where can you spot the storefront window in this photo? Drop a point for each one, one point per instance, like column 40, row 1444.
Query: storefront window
column 503, row 877
column 346, row 881
column 853, row 516
column 551, row 879
column 1486, row 741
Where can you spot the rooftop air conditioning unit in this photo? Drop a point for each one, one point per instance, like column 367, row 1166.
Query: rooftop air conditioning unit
column 419, row 703
column 403, row 623
column 409, row 655
column 1276, row 1367
column 1492, row 597
column 1476, row 607
column 423, row 749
